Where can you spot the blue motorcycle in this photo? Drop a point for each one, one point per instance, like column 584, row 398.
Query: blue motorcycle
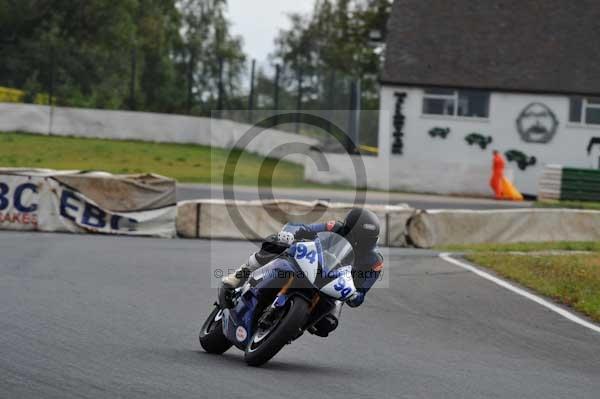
column 283, row 299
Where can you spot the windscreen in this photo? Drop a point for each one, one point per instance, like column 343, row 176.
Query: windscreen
column 337, row 251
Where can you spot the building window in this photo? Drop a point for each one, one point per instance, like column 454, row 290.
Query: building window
column 585, row 110
column 464, row 103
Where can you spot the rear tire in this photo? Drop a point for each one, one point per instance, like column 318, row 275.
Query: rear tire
column 285, row 331
column 211, row 335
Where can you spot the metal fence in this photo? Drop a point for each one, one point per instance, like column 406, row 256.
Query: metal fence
column 127, row 79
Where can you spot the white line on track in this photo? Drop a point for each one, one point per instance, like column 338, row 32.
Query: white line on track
column 557, row 309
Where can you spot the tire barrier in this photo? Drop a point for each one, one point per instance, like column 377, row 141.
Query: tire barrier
column 550, row 183
column 560, row 183
column 145, row 205
column 427, row 229
column 87, row 202
column 210, row 219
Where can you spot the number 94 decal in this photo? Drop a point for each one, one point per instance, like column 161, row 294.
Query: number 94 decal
column 342, row 288
column 303, row 252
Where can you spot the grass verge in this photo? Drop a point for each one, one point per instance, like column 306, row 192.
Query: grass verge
column 593, row 246
column 573, row 279
column 183, row 162
column 591, row 205
column 570, row 278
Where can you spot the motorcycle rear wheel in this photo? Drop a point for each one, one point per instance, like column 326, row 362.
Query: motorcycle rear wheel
column 211, row 335
column 265, row 344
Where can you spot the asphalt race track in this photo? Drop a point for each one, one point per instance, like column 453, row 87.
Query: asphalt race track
column 108, row 317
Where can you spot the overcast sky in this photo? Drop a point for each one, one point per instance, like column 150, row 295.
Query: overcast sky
column 259, row 21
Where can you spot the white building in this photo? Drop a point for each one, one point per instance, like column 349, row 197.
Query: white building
column 463, row 78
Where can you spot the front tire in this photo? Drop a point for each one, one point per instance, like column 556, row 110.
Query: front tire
column 287, row 329
column 211, row 335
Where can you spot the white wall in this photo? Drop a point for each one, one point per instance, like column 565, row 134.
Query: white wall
column 404, row 174
column 144, row 126
column 452, row 157
column 451, row 166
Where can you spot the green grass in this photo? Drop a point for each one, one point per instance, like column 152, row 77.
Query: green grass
column 573, row 279
column 593, row 246
column 591, row 205
column 569, row 278
column 183, row 162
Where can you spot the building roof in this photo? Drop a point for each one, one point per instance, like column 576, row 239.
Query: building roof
column 548, row 46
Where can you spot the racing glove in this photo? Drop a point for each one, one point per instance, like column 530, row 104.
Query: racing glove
column 356, row 299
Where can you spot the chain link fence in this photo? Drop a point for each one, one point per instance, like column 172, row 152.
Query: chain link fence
column 329, row 93
column 128, row 79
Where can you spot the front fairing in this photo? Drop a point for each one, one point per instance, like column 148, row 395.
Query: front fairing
column 341, row 285
column 326, row 262
column 259, row 291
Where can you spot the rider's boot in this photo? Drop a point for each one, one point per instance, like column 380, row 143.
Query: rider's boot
column 235, row 280
column 229, row 283
column 239, row 277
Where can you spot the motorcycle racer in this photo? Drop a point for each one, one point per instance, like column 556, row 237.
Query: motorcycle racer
column 360, row 227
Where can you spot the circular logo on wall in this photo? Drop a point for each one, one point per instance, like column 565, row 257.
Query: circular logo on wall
column 537, row 123
column 241, row 334
column 278, row 213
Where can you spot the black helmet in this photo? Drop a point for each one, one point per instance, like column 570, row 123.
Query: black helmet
column 361, row 229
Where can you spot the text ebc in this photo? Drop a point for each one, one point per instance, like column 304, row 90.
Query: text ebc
column 92, row 216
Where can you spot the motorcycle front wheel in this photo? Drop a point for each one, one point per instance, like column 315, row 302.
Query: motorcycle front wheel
column 285, row 325
column 211, row 335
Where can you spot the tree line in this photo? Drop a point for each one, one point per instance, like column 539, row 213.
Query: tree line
column 179, row 56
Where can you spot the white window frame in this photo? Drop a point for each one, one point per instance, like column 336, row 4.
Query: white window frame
column 583, row 116
column 455, row 97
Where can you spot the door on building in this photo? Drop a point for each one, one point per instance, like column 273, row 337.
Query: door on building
column 593, row 150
